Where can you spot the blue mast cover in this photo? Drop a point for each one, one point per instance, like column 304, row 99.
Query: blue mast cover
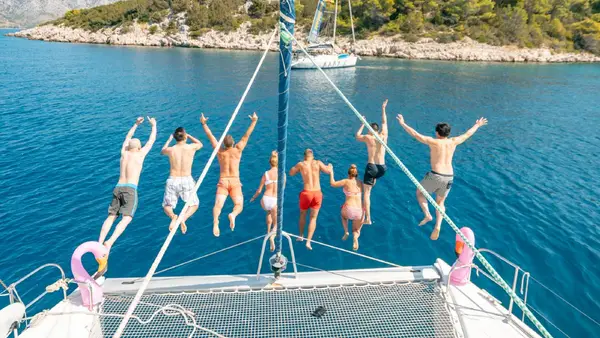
column 313, row 36
column 287, row 18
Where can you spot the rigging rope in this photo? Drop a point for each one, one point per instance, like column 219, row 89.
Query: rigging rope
column 165, row 245
column 454, row 227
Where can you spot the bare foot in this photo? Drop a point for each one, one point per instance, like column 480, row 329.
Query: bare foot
column 435, row 234
column 216, row 230
column 183, row 228
column 367, row 220
column 425, row 220
column 345, row 236
column 355, row 244
column 308, row 246
column 272, row 246
column 231, row 221
column 173, row 221
column 300, row 239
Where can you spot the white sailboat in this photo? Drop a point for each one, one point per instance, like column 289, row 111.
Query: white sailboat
column 324, row 54
column 437, row 300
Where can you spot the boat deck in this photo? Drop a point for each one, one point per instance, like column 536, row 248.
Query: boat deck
column 389, row 302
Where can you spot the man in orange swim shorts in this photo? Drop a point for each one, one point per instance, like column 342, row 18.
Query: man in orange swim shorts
column 311, row 197
column 229, row 157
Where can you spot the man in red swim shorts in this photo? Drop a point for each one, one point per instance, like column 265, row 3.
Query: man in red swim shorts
column 311, row 197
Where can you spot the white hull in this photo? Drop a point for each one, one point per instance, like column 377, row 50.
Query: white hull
column 325, row 61
column 469, row 310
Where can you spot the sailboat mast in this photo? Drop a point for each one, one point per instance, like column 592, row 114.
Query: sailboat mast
column 335, row 21
column 287, row 18
column 351, row 20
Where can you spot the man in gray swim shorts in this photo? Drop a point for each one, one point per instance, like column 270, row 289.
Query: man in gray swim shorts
column 439, row 179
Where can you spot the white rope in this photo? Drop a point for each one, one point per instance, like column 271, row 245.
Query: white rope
column 501, row 282
column 177, row 309
column 59, row 284
column 162, row 251
column 351, row 252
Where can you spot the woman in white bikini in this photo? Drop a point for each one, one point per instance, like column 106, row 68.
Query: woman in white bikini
column 352, row 209
column 269, row 199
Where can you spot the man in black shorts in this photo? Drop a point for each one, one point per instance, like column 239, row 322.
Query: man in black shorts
column 376, row 163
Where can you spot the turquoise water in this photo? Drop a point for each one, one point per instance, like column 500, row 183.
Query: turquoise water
column 526, row 183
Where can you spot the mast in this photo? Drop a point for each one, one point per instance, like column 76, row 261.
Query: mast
column 351, row 21
column 335, row 21
column 287, row 18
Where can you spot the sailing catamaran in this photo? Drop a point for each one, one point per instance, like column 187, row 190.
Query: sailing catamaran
column 438, row 300
column 324, row 53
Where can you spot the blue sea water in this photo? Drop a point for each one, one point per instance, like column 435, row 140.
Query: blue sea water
column 527, row 183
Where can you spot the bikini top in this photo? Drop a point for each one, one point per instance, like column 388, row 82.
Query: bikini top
column 267, row 180
column 351, row 193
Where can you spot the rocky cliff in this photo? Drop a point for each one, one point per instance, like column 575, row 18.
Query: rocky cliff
column 464, row 50
column 26, row 13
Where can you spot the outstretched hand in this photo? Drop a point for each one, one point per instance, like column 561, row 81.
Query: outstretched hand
column 384, row 105
column 152, row 120
column 203, row 119
column 481, row 122
column 400, row 118
column 139, row 121
column 254, row 117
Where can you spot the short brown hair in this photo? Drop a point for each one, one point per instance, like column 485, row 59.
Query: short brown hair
column 307, row 152
column 228, row 141
column 274, row 160
column 352, row 171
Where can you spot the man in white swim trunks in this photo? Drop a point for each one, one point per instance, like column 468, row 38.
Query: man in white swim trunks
column 229, row 156
column 439, row 180
column 125, row 198
column 180, row 183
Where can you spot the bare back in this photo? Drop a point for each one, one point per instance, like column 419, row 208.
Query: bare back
column 353, row 191
column 131, row 166
column 310, row 171
column 375, row 150
column 181, row 159
column 271, row 189
column 442, row 152
column 229, row 162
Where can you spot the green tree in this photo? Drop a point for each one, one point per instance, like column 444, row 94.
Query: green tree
column 257, row 9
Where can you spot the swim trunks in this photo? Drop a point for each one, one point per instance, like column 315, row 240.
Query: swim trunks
column 437, row 183
column 124, row 201
column 311, row 200
column 180, row 187
column 230, row 186
column 373, row 172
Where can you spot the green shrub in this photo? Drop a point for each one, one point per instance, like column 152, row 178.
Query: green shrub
column 257, row 9
column 153, row 29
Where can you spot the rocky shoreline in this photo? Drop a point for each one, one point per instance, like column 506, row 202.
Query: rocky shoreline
column 241, row 39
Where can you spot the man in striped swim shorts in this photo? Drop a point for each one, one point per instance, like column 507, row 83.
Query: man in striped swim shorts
column 180, row 183
column 439, row 180
column 125, row 199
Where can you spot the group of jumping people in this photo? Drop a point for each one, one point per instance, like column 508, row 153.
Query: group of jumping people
column 356, row 208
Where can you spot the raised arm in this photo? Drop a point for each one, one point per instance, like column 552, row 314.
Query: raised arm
column 333, row 182
column 130, row 134
column 325, row 168
column 462, row 138
column 165, row 149
column 259, row 190
column 295, row 169
column 244, row 141
column 412, row 132
column 195, row 142
column 209, row 134
column 359, row 136
column 384, row 126
column 152, row 138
